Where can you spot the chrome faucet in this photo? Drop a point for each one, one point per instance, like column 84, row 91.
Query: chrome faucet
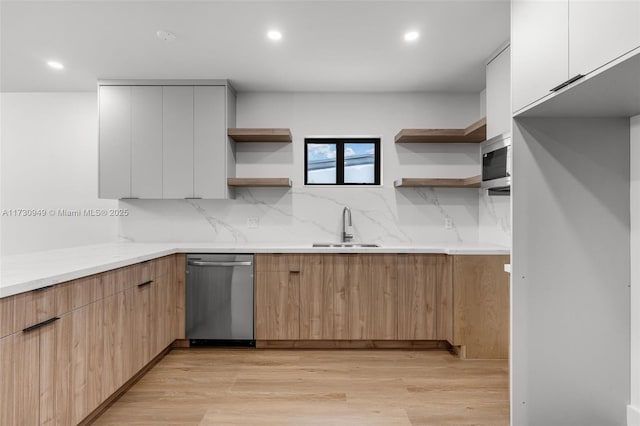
column 347, row 225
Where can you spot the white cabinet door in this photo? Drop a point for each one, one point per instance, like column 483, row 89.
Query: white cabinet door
column 114, row 142
column 601, row 31
column 177, row 155
column 539, row 46
column 499, row 94
column 210, row 142
column 146, row 141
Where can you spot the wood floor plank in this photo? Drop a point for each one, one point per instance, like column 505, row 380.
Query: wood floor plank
column 316, row 387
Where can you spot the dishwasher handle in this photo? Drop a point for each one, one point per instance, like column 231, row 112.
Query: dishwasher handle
column 219, row 263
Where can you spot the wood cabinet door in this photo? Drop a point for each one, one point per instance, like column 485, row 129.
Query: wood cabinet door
column 96, row 372
column 373, row 297
column 539, row 49
column 26, row 377
column 481, row 306
column 74, row 379
column 7, row 371
column 417, row 296
column 444, row 295
column 601, row 31
column 114, row 142
column 50, row 336
column 162, row 314
column 118, row 338
column 141, row 328
column 277, row 293
column 323, row 297
column 180, row 277
column 6, row 316
column 177, row 145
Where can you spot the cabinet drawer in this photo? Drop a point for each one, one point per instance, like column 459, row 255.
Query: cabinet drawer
column 141, row 273
column 35, row 306
column 163, row 266
column 6, row 316
column 277, row 263
column 77, row 293
column 118, row 280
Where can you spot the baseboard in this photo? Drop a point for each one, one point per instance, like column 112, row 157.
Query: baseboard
column 353, row 344
column 460, row 351
column 124, row 388
column 180, row 343
column 633, row 415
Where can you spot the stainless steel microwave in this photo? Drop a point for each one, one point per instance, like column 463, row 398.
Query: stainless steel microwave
column 496, row 165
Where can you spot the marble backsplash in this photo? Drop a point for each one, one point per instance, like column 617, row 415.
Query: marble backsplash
column 305, row 215
column 494, row 219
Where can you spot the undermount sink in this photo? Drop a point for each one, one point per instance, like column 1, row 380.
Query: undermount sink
column 345, row 245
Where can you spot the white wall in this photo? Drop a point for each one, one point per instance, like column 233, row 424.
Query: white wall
column 310, row 214
column 49, row 162
column 633, row 411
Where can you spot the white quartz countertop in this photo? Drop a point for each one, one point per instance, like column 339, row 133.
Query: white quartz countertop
column 25, row 272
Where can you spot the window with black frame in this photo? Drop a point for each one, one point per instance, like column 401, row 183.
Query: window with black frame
column 342, row 161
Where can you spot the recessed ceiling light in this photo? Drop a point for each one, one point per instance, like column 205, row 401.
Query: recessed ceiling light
column 411, row 36
column 55, row 65
column 165, row 35
column 274, row 35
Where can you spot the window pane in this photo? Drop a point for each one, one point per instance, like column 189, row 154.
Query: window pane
column 359, row 160
column 321, row 163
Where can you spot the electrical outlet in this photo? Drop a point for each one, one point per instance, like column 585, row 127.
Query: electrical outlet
column 448, row 223
column 253, row 222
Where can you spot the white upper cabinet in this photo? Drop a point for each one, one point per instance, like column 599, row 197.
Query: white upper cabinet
column 601, row 31
column 554, row 41
column 177, row 152
column 539, row 48
column 146, row 142
column 164, row 141
column 499, row 94
column 115, row 142
column 210, row 142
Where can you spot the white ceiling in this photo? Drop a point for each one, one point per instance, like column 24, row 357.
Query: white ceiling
column 327, row 45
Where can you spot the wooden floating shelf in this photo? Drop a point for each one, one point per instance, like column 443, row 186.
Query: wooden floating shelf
column 475, row 133
column 470, row 182
column 260, row 135
column 262, row 182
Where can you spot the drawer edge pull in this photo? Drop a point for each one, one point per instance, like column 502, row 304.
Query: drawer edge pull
column 566, row 83
column 145, row 283
column 40, row 324
column 43, row 288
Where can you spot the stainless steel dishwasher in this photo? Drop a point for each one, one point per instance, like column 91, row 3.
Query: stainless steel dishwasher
column 220, row 299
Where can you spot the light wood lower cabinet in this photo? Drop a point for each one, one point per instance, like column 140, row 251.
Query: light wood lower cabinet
column 408, row 297
column 277, row 295
column 7, row 371
column 26, row 378
column 118, row 334
column 6, row 316
column 323, row 297
column 425, row 297
column 481, row 306
column 103, row 330
column 373, row 297
column 352, row 297
column 141, row 332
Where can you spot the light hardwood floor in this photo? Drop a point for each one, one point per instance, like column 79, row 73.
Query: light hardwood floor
column 316, row 387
